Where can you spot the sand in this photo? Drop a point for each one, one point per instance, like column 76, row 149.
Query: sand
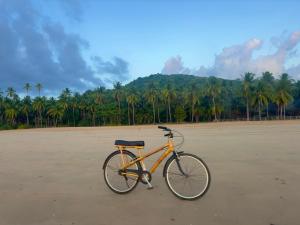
column 54, row 176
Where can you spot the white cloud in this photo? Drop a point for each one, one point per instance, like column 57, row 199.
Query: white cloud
column 175, row 65
column 238, row 59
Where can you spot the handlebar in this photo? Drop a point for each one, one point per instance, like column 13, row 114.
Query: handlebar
column 164, row 128
column 171, row 133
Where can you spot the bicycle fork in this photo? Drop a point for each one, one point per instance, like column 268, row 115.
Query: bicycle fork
column 177, row 159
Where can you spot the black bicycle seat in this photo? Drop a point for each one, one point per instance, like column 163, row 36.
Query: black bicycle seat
column 129, row 143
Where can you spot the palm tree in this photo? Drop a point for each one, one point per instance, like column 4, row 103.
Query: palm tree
column 260, row 96
column 159, row 100
column 93, row 109
column 64, row 101
column 128, row 108
column 99, row 96
column 27, row 87
column 213, row 89
column 168, row 95
column 283, row 93
column 151, row 98
column 26, row 107
column 165, row 95
column 247, row 84
column 39, row 87
column 118, row 95
column 132, row 99
column 74, row 105
column 268, row 83
column 39, row 105
column 56, row 111
column 194, row 99
column 11, row 114
column 11, row 93
column 1, row 106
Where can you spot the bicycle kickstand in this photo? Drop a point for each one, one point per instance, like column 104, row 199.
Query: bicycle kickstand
column 148, row 183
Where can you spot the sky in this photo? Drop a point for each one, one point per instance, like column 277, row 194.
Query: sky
column 85, row 44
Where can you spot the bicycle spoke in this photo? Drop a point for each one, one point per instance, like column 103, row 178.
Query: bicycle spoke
column 178, row 174
column 113, row 168
column 121, row 183
column 192, row 185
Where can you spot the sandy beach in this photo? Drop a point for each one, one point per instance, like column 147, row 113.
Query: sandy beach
column 54, row 176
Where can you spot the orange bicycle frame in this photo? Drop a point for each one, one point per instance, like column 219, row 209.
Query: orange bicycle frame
column 169, row 148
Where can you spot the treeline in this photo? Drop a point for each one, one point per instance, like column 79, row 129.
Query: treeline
column 156, row 99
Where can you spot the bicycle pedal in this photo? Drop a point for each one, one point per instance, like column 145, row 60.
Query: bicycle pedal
column 149, row 188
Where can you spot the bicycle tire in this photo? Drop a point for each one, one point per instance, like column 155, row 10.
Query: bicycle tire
column 108, row 182
column 171, row 184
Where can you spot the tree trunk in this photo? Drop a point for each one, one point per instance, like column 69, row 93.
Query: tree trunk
column 193, row 113
column 41, row 119
column 153, row 105
column 214, row 108
column 119, row 102
column 280, row 111
column 133, row 116
column 259, row 113
column 73, row 117
column 94, row 118
column 267, row 110
column 170, row 115
column 284, row 111
column 158, row 116
column 27, row 119
column 167, row 114
column 248, row 116
column 128, row 114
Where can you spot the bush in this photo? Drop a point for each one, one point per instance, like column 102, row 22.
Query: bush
column 180, row 114
column 7, row 127
column 84, row 123
column 23, row 126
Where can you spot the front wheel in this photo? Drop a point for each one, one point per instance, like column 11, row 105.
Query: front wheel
column 187, row 176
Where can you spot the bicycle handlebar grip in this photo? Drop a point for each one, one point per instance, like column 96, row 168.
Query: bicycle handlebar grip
column 161, row 127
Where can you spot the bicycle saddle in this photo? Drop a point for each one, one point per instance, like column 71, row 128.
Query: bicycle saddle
column 129, row 143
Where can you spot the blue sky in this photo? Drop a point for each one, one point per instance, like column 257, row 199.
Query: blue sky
column 122, row 40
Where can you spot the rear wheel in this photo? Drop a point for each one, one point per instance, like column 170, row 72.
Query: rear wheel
column 118, row 182
column 187, row 176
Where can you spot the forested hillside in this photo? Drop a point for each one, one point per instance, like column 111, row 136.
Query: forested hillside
column 156, row 99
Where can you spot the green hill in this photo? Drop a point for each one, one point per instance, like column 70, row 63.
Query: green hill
column 177, row 81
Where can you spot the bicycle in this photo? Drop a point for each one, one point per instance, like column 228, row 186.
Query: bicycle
column 186, row 175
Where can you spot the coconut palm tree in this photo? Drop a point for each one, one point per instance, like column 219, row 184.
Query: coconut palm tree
column 39, row 105
column 132, row 99
column 128, row 109
column 39, row 87
column 151, row 98
column 56, row 111
column 1, row 106
column 193, row 98
column 26, row 108
column 92, row 108
column 118, row 96
column 27, row 88
column 74, row 106
column 165, row 96
column 283, row 93
column 247, row 86
column 268, row 83
column 168, row 94
column 99, row 97
column 64, row 101
column 213, row 90
column 11, row 114
column 260, row 97
column 11, row 93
